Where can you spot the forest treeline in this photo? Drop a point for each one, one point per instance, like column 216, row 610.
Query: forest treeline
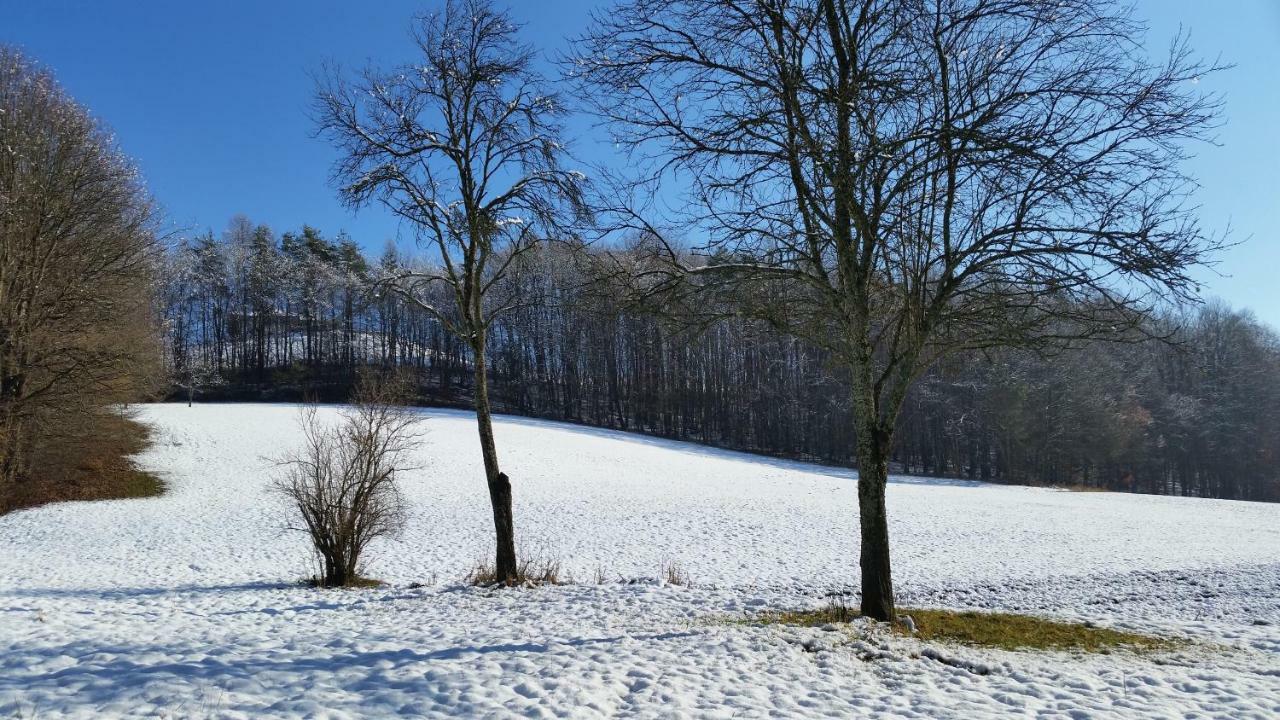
column 251, row 314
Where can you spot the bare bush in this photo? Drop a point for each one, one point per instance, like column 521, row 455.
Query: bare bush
column 342, row 483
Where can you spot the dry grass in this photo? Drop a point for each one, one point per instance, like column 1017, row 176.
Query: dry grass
column 529, row 571
column 316, row 581
column 91, row 463
column 673, row 574
column 1006, row 631
column 836, row 611
column 1017, row 632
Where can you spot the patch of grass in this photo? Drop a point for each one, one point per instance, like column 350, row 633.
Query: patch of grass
column 529, row 571
column 1082, row 488
column 360, row 582
column 87, row 462
column 674, row 574
column 834, row 612
column 1009, row 631
column 1006, row 631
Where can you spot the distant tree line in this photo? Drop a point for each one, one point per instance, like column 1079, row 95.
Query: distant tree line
column 253, row 314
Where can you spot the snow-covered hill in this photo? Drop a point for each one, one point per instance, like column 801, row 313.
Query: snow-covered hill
column 183, row 605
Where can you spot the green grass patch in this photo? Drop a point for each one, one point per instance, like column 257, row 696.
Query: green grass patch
column 1006, row 631
column 1009, row 631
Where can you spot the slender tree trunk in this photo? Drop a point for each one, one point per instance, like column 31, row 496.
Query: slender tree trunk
column 499, row 484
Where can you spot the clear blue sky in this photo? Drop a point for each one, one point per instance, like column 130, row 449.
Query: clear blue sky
column 211, row 100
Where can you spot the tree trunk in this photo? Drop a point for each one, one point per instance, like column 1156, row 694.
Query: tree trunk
column 875, row 437
column 12, row 429
column 499, row 484
column 877, row 576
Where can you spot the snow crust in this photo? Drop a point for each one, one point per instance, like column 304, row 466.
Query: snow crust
column 187, row 605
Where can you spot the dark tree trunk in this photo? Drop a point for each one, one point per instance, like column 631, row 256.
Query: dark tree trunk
column 499, row 484
column 877, row 575
column 875, row 438
column 337, row 571
column 13, row 435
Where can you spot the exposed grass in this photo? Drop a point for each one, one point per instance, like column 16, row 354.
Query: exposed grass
column 1006, row 631
column 529, row 571
column 360, row 582
column 674, row 574
column 87, row 463
column 1017, row 632
column 834, row 612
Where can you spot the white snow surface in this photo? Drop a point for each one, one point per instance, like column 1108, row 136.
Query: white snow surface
column 188, row 605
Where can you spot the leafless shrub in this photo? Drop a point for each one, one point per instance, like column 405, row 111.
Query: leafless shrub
column 342, row 483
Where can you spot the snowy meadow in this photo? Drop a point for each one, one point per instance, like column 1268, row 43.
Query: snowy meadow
column 190, row 605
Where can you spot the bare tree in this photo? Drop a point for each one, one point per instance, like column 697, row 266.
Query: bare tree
column 77, row 245
column 464, row 144
column 899, row 180
column 342, row 484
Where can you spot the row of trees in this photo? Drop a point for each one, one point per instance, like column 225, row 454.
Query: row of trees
column 1192, row 416
column 226, row 299
column 77, row 253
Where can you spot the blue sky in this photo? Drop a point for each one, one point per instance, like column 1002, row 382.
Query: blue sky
column 211, row 100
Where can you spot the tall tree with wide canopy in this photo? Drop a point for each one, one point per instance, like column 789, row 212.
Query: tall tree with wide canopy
column 900, row 180
column 465, row 145
column 77, row 247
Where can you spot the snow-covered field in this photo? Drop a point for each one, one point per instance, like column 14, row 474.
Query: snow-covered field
column 186, row 605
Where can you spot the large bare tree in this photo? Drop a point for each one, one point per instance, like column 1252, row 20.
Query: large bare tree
column 900, row 180
column 77, row 245
column 464, row 144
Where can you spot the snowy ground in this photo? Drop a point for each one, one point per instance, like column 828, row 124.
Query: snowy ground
column 184, row 606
